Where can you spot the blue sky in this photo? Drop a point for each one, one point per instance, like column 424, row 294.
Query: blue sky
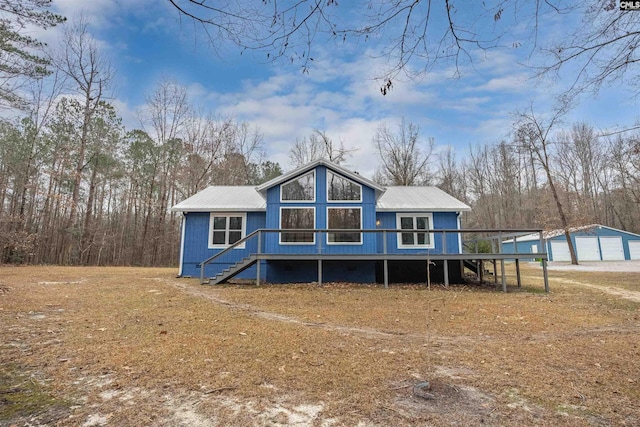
column 146, row 39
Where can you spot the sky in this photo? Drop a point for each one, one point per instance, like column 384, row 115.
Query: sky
column 147, row 40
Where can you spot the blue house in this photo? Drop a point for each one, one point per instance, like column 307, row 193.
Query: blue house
column 320, row 222
column 592, row 242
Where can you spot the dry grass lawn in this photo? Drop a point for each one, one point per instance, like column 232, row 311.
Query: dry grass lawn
column 136, row 346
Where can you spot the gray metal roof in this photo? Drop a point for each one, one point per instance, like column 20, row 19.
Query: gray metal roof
column 546, row 235
column 223, row 198
column 406, row 199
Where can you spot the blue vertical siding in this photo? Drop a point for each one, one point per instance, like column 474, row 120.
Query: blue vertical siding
column 441, row 220
column 321, row 204
column 196, row 245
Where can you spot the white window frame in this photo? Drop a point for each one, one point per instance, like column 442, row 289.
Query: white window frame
column 415, row 215
column 344, row 207
column 243, row 231
column 343, row 177
column 313, row 173
column 313, row 242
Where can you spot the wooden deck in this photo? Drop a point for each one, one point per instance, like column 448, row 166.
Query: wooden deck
column 480, row 240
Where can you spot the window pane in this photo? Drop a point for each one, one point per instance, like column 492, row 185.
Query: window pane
column 341, row 188
column 406, row 223
column 220, row 223
column 234, row 236
column 296, row 218
column 301, row 189
column 407, row 238
column 218, row 238
column 422, row 238
column 422, row 223
column 235, row 223
column 347, row 218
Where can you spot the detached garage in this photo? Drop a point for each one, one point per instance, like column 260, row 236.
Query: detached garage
column 592, row 243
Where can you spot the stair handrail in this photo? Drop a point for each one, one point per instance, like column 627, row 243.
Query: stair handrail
column 225, row 250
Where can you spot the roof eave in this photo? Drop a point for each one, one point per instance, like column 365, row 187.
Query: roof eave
column 226, row 209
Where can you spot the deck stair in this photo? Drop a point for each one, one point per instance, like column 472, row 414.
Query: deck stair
column 471, row 265
column 233, row 269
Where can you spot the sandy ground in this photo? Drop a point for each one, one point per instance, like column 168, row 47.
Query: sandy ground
column 630, row 266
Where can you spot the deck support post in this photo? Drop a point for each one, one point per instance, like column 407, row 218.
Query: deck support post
column 319, row 272
column 258, row 273
column 446, row 273
column 259, row 252
column 546, row 275
column 518, row 273
column 385, row 264
column 386, row 261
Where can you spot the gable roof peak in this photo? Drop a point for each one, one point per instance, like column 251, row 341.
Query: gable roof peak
column 353, row 175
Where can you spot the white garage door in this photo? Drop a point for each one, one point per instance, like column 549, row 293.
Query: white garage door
column 560, row 250
column 634, row 249
column 612, row 248
column 587, row 249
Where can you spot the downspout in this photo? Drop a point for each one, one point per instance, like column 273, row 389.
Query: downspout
column 183, row 224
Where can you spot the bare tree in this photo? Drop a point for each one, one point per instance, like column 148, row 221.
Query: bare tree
column 405, row 158
column 90, row 74
column 535, row 133
column 603, row 50
column 412, row 35
column 317, row 146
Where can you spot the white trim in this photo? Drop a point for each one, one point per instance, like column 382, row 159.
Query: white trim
column 315, row 184
column 183, row 225
column 243, row 230
column 344, row 243
column 328, row 171
column 314, row 225
column 414, row 215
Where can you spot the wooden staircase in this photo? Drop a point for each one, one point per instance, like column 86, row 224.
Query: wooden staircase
column 232, row 270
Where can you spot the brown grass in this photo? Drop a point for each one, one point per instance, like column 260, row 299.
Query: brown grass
column 135, row 346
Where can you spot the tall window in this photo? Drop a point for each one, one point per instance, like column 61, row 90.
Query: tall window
column 344, row 218
column 415, row 238
column 226, row 229
column 341, row 189
column 301, row 189
column 297, row 218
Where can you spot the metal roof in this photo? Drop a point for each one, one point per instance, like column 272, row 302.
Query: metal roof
column 223, row 198
column 405, row 199
column 546, row 235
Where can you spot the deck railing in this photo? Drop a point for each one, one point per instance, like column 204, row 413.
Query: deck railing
column 479, row 244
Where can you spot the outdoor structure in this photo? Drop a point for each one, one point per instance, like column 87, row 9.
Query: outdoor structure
column 322, row 222
column 592, row 242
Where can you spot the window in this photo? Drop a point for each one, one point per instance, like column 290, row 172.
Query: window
column 226, row 229
column 414, row 238
column 344, row 218
column 301, row 189
column 340, row 189
column 300, row 218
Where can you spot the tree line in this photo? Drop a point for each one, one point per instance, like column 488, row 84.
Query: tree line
column 76, row 187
